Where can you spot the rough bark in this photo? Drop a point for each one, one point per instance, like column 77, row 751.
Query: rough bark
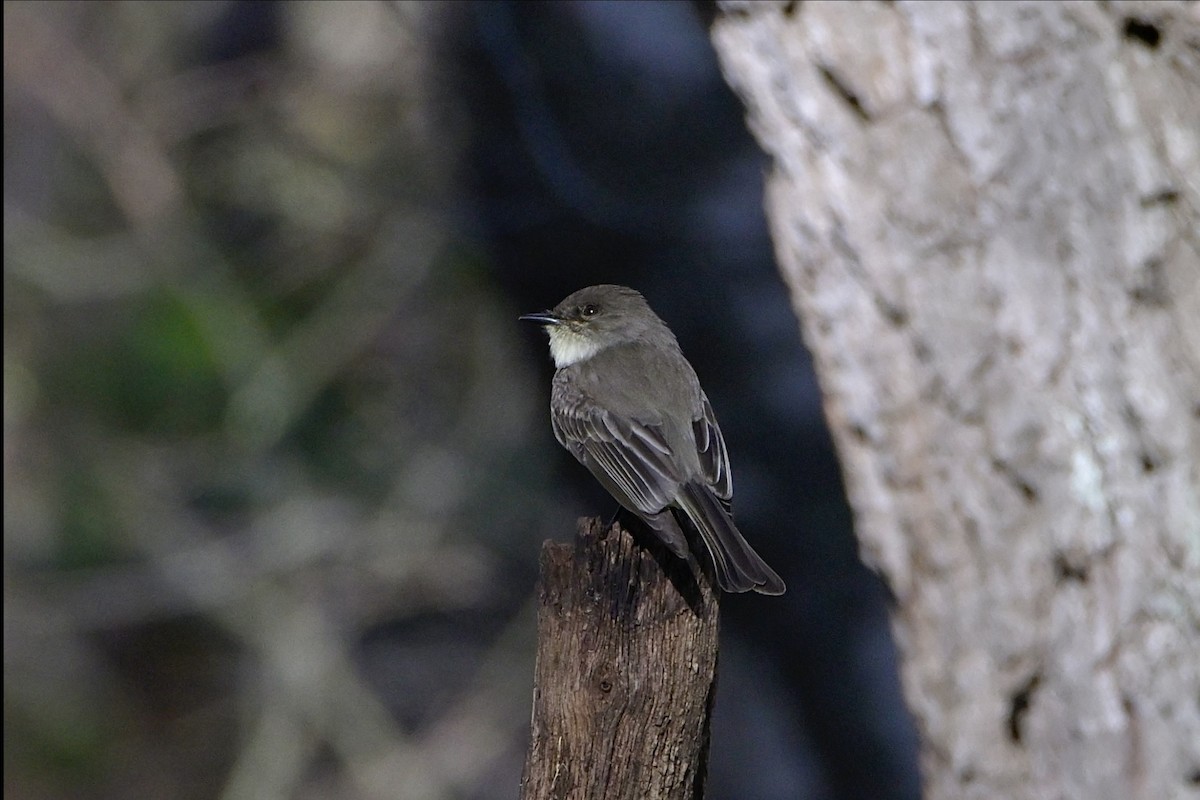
column 626, row 672
column 987, row 214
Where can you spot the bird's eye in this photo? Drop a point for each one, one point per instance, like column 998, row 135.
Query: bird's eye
column 590, row 310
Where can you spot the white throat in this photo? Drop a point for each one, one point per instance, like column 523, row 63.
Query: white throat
column 568, row 347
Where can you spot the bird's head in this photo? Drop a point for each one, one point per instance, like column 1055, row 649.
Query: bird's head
column 594, row 319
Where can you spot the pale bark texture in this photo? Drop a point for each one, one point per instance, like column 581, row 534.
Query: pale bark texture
column 987, row 216
column 626, row 672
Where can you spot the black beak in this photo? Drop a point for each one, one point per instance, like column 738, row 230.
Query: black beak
column 544, row 317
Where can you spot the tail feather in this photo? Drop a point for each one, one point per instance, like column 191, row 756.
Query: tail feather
column 738, row 568
column 668, row 531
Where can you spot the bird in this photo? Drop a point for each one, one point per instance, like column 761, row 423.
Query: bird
column 628, row 405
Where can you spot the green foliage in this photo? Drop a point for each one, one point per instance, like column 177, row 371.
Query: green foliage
column 68, row 743
column 158, row 376
column 88, row 532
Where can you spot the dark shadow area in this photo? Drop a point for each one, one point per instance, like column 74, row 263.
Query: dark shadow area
column 604, row 147
column 682, row 573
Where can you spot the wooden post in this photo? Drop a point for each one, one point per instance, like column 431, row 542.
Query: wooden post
column 626, row 671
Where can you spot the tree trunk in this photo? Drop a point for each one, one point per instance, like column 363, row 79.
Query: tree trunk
column 626, row 672
column 987, row 215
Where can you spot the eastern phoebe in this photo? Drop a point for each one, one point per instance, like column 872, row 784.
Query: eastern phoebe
column 628, row 405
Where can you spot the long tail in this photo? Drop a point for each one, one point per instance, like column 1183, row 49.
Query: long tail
column 738, row 567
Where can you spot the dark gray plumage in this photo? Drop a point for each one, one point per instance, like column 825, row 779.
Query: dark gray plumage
column 628, row 405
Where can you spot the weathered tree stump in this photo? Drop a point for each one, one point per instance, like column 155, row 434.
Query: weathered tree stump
column 626, row 671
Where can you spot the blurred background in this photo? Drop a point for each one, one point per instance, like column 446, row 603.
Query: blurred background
column 277, row 456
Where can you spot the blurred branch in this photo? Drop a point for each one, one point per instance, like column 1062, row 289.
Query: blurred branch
column 45, row 64
column 287, row 378
column 256, row 200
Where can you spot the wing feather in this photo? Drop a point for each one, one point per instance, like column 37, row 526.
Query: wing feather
column 714, row 459
column 631, row 459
